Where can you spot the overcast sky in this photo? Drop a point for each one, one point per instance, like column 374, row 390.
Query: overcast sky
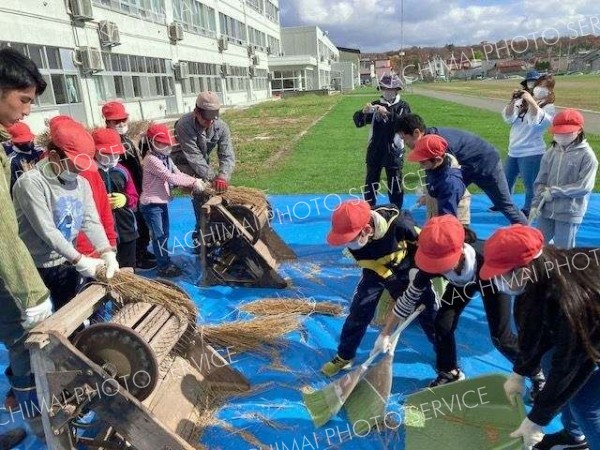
column 374, row 25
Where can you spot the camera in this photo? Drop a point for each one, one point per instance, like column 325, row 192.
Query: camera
column 517, row 95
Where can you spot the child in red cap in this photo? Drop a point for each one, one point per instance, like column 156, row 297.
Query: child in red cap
column 557, row 298
column 445, row 250
column 565, row 181
column 160, row 173
column 53, row 204
column 383, row 243
column 122, row 195
column 21, row 150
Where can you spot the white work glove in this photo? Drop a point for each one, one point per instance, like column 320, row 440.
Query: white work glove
column 382, row 344
column 531, row 433
column 368, row 109
column 87, row 266
column 533, row 214
column 36, row 314
column 515, row 385
column 547, row 195
column 112, row 265
column 199, row 186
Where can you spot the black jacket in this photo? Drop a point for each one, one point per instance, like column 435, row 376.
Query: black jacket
column 381, row 152
column 543, row 326
column 125, row 222
column 477, row 157
column 391, row 256
column 132, row 160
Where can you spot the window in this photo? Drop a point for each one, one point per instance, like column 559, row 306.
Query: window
column 203, row 76
column 257, row 5
column 72, row 89
column 58, row 85
column 151, row 10
column 36, row 53
column 47, row 98
column 233, row 29
column 271, row 11
column 53, row 58
column 274, row 45
column 195, row 17
column 137, row 86
column 119, row 86
column 257, row 38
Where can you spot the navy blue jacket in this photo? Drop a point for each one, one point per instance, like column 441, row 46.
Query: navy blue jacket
column 381, row 152
column 17, row 158
column 477, row 158
column 445, row 184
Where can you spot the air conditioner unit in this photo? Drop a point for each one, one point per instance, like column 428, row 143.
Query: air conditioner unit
column 176, row 31
column 223, row 44
column 90, row 59
column 252, row 71
column 251, row 50
column 225, row 69
column 109, row 34
column 268, row 50
column 81, row 9
column 182, row 71
column 256, row 60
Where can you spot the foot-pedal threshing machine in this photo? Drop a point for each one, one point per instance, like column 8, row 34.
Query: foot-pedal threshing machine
column 136, row 380
column 237, row 244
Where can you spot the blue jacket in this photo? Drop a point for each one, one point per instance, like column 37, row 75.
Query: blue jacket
column 477, row 158
column 18, row 156
column 445, row 184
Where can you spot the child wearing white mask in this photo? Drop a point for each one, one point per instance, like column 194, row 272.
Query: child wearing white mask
column 160, row 173
column 529, row 113
column 122, row 194
column 565, row 181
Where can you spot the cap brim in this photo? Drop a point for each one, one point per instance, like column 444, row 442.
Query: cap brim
column 561, row 129
column 23, row 139
column 114, row 150
column 488, row 271
column 415, row 156
column 340, row 239
column 209, row 114
column 118, row 117
column 436, row 265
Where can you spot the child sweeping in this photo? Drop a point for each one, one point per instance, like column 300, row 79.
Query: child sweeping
column 565, row 181
column 160, row 173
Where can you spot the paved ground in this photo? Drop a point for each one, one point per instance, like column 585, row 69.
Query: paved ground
column 592, row 119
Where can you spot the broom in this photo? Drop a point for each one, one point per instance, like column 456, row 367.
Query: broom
column 325, row 403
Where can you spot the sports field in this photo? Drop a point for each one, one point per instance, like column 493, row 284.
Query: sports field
column 310, row 144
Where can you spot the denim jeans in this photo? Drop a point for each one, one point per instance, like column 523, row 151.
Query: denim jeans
column 581, row 414
column 526, row 166
column 156, row 216
column 563, row 233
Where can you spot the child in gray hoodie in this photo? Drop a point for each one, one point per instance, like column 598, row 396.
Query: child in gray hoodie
column 565, row 181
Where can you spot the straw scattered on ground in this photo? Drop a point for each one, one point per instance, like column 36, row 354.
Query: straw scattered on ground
column 274, row 306
column 261, row 334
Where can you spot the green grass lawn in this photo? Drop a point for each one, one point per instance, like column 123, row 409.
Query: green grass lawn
column 330, row 157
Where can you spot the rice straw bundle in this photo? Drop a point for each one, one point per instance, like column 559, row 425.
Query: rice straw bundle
column 273, row 306
column 137, row 128
column 251, row 335
column 132, row 288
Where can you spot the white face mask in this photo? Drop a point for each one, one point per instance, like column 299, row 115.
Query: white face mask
column 163, row 149
column 511, row 283
column 530, row 84
column 122, row 128
column 107, row 161
column 68, row 177
column 389, row 95
column 564, row 139
column 398, row 142
column 540, row 92
column 359, row 242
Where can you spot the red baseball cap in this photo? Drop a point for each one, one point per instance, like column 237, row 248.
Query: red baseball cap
column 158, row 132
column 75, row 141
column 428, row 147
column 509, row 248
column 348, row 220
column 114, row 111
column 567, row 121
column 440, row 244
column 56, row 119
column 21, row 133
column 108, row 141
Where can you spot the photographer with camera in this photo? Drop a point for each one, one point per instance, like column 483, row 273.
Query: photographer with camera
column 530, row 115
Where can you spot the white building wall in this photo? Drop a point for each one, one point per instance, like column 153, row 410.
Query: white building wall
column 49, row 24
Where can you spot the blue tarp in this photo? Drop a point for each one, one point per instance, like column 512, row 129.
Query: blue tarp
column 275, row 414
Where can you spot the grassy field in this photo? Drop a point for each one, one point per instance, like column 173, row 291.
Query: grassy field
column 329, row 158
column 574, row 91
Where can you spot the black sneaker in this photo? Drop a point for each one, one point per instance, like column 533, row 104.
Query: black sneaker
column 170, row 272
column 12, row 438
column 144, row 265
column 447, row 377
column 148, row 256
column 561, row 440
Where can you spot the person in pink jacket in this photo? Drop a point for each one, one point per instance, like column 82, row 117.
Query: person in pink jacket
column 159, row 174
